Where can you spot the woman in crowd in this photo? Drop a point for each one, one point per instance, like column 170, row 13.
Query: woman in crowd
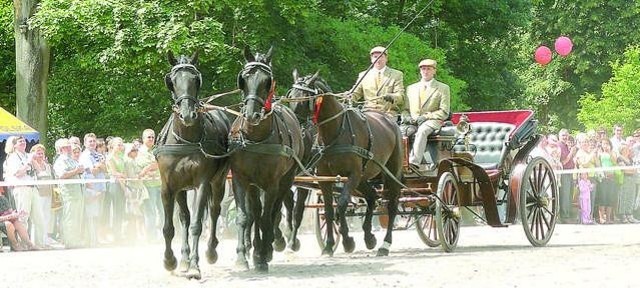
column 11, row 225
column 608, row 194
column 19, row 168
column 135, row 194
column 43, row 171
column 628, row 187
column 116, row 168
column 586, row 158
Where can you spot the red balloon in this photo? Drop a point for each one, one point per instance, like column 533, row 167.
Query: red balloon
column 563, row 45
column 543, row 55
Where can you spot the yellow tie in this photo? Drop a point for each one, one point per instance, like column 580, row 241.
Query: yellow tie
column 378, row 78
column 423, row 95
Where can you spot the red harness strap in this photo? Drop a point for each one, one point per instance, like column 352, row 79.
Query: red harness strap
column 267, row 104
column 316, row 110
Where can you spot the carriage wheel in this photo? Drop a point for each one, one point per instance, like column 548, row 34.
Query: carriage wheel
column 427, row 229
column 448, row 212
column 538, row 201
column 320, row 227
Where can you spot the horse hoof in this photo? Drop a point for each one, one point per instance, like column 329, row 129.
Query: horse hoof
column 383, row 252
column 193, row 273
column 327, row 252
column 262, row 267
column 212, row 256
column 270, row 256
column 184, row 266
column 370, row 241
column 295, row 246
column 242, row 264
column 171, row 263
column 348, row 244
column 279, row 244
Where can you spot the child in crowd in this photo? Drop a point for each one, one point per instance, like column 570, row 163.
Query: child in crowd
column 585, row 187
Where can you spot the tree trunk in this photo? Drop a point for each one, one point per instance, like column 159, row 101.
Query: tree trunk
column 32, row 69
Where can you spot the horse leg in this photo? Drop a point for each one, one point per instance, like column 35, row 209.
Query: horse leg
column 329, row 214
column 370, row 197
column 185, row 219
column 241, row 223
column 343, row 201
column 298, row 212
column 168, row 231
column 202, row 195
column 217, row 187
column 391, row 195
column 271, row 205
column 254, row 208
column 279, row 243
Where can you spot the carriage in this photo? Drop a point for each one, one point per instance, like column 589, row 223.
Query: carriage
column 483, row 167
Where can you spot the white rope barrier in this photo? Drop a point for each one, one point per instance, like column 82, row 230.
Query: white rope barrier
column 113, row 180
column 68, row 181
column 596, row 169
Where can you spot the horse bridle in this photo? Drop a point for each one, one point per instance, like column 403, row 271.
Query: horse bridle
column 266, row 104
column 176, row 101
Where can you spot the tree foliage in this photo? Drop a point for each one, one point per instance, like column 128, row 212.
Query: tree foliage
column 7, row 57
column 108, row 57
column 600, row 31
column 619, row 102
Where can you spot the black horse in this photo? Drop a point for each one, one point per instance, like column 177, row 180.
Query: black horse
column 186, row 154
column 361, row 146
column 267, row 142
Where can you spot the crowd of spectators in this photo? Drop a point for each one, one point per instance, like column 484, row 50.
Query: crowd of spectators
column 598, row 183
column 115, row 198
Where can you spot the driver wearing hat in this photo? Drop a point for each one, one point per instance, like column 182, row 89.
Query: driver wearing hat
column 427, row 106
column 382, row 88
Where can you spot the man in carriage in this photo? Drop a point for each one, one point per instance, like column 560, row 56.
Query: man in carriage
column 426, row 107
column 382, row 88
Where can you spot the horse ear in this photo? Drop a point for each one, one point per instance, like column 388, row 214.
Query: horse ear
column 267, row 57
column 313, row 78
column 247, row 55
column 295, row 74
column 171, row 58
column 194, row 58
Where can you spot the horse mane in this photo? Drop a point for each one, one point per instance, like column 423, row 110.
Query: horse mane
column 262, row 58
column 183, row 59
column 319, row 83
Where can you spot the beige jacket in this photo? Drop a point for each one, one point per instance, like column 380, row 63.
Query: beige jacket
column 391, row 84
column 436, row 108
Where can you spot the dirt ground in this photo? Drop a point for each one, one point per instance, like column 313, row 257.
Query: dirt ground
column 577, row 255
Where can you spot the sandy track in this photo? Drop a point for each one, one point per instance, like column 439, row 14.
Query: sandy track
column 587, row 256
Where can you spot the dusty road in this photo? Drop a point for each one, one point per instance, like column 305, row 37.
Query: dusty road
column 584, row 256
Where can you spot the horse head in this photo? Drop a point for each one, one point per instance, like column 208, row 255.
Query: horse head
column 304, row 92
column 257, row 85
column 184, row 82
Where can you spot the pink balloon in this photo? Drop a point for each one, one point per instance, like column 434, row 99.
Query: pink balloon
column 543, row 55
column 563, row 45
